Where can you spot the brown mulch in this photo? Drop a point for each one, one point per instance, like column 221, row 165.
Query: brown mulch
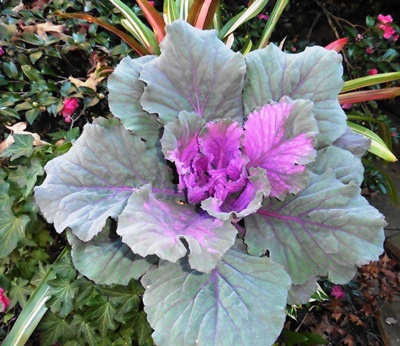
column 352, row 320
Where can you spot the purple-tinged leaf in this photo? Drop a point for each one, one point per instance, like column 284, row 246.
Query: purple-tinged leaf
column 125, row 92
column 221, row 142
column 150, row 226
column 345, row 165
column 241, row 302
column 279, row 138
column 95, row 179
column 315, row 75
column 328, row 228
column 106, row 260
column 211, row 166
column 179, row 141
column 195, row 72
column 353, row 142
column 248, row 201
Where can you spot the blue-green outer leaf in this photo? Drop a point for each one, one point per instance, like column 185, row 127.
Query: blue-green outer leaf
column 125, row 92
column 315, row 75
column 241, row 302
column 327, row 229
column 94, row 180
column 105, row 259
column 347, row 167
column 195, row 73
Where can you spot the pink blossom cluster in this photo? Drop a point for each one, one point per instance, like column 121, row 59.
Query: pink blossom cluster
column 70, row 106
column 4, row 301
column 263, row 16
column 1, row 51
column 337, row 292
column 385, row 25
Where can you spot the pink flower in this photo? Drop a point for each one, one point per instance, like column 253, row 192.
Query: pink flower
column 385, row 19
column 264, row 16
column 1, row 51
column 388, row 31
column 70, row 106
column 4, row 301
column 347, row 105
column 359, row 37
column 372, row 71
column 369, row 50
column 151, row 3
column 337, row 292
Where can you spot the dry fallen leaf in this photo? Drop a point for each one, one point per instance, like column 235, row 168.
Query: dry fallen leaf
column 390, row 320
column 91, row 82
column 18, row 129
column 42, row 29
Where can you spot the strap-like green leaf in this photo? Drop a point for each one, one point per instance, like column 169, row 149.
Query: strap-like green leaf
column 137, row 28
column 394, row 196
column 254, row 9
column 370, row 80
column 378, row 146
column 171, row 12
column 33, row 312
column 272, row 21
column 135, row 45
column 184, row 6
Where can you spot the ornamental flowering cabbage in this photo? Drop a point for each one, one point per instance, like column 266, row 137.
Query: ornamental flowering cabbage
column 234, row 181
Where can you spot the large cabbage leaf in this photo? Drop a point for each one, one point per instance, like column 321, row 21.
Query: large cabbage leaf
column 95, row 179
column 327, row 229
column 150, row 226
column 125, row 90
column 241, row 302
column 196, row 72
column 315, row 75
column 105, row 259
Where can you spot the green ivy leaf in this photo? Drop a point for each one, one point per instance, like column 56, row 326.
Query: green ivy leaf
column 55, row 329
column 84, row 330
column 101, row 314
column 26, row 177
column 21, row 147
column 65, row 269
column 125, row 298
column 12, row 230
column 62, row 293
column 86, row 292
column 142, row 328
column 19, row 292
column 6, row 199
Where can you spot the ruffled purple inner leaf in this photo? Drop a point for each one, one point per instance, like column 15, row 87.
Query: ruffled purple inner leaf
column 271, row 145
column 213, row 160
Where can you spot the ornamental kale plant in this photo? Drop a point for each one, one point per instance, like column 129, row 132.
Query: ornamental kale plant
column 234, row 182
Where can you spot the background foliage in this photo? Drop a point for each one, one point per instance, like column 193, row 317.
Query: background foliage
column 47, row 60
